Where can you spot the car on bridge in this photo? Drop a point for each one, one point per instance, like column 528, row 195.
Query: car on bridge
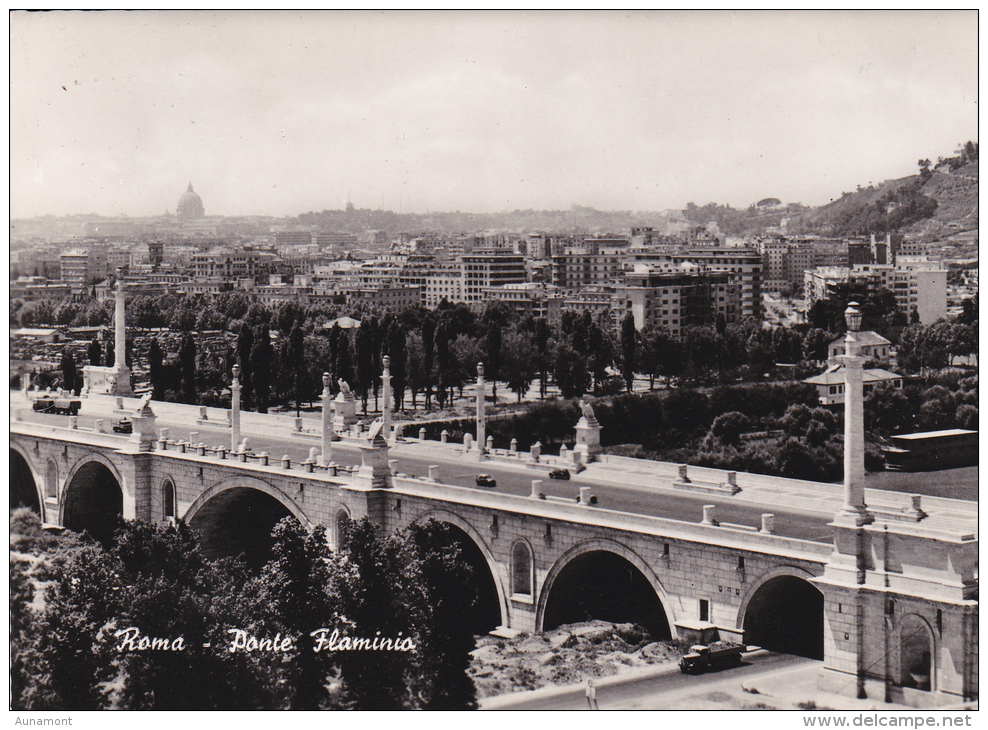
column 559, row 474
column 124, row 425
column 486, row 480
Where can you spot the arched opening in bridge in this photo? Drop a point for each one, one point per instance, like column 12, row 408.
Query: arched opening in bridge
column 606, row 586
column 51, row 479
column 168, row 498
column 487, row 613
column 916, row 652
column 786, row 615
column 94, row 502
column 23, row 490
column 238, row 522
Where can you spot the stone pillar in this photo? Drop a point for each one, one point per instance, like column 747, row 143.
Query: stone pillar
column 345, row 409
column 481, row 411
column 235, row 409
column 854, row 510
column 327, row 420
column 386, row 408
column 536, row 488
column 587, row 435
column 144, row 434
column 374, row 471
column 119, row 374
column 120, row 327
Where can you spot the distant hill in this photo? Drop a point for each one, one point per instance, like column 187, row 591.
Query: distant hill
column 946, row 203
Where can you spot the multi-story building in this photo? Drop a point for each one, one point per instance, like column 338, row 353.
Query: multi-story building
column 919, row 286
column 676, row 300
column 484, row 269
column 530, row 299
column 334, row 240
column 83, row 267
column 229, row 264
column 581, row 267
column 443, row 284
column 393, row 298
column 745, row 263
column 292, row 238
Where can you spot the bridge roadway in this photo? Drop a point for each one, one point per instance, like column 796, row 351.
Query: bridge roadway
column 614, row 493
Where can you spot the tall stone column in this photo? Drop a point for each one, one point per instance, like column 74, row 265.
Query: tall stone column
column 854, row 508
column 386, row 387
column 481, row 411
column 326, row 399
column 235, row 410
column 119, row 375
column 120, row 327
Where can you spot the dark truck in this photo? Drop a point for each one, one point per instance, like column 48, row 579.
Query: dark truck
column 718, row 655
column 65, row 406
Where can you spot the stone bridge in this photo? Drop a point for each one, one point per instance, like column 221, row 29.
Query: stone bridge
column 890, row 606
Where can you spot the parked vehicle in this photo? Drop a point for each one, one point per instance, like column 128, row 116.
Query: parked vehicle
column 718, row 655
column 64, row 406
column 486, row 480
column 559, row 474
column 124, row 425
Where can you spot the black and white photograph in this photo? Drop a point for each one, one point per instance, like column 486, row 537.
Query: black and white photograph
column 473, row 360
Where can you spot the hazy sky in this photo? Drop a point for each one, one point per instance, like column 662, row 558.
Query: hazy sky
column 280, row 113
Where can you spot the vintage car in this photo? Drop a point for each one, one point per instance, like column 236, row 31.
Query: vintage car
column 486, row 480
column 124, row 425
column 559, row 474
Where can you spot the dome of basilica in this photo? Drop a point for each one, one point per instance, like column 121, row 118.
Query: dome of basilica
column 190, row 205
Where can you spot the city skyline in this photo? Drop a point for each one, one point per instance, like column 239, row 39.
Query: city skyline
column 280, row 113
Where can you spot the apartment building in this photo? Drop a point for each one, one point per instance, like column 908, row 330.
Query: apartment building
column 673, row 301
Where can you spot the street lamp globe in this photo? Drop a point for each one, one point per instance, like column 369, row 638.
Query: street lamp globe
column 852, row 315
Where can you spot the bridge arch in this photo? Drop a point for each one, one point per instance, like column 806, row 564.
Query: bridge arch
column 783, row 611
column 24, row 484
column 917, row 653
column 480, row 559
column 236, row 516
column 662, row 624
column 93, row 497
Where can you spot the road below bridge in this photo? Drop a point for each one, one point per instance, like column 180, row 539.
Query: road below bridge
column 664, row 688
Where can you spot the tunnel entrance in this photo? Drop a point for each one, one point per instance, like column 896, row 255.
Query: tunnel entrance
column 487, row 613
column 23, row 490
column 94, row 502
column 238, row 522
column 786, row 615
column 603, row 585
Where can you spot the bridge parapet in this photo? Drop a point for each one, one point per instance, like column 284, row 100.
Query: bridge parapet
column 728, row 536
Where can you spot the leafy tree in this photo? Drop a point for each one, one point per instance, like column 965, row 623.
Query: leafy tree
column 428, row 355
column 156, row 366
column 245, row 346
column 520, row 364
column 294, row 591
column 70, row 374
column 492, row 356
column 397, row 351
column 95, row 352
column 366, row 587
column 262, row 360
column 296, row 360
column 728, row 427
column 437, row 587
column 187, row 358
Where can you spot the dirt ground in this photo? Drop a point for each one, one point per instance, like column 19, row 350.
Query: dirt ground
column 566, row 655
